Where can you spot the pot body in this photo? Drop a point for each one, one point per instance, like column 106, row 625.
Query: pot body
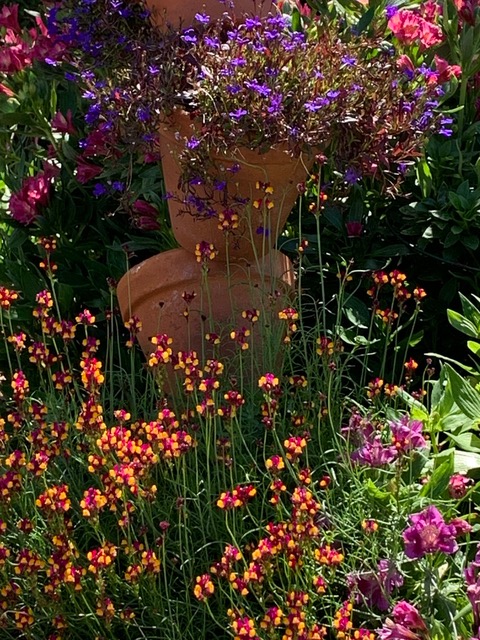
column 153, row 290
column 181, row 13
column 261, row 215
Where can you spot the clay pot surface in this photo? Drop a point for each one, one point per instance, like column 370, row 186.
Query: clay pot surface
column 152, row 291
column 259, row 227
column 182, row 12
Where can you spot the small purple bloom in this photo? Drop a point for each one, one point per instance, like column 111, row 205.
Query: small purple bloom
column 238, row 114
column 429, row 533
column 189, row 36
column 263, row 231
column 202, row 18
column 99, row 190
column 192, row 143
column 352, row 175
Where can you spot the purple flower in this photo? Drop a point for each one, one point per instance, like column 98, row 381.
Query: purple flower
column 238, row 114
column 374, row 453
column 374, row 588
column 192, row 143
column 352, row 175
column 189, row 36
column 99, row 190
column 429, row 533
column 315, row 105
column 407, row 434
column 202, row 18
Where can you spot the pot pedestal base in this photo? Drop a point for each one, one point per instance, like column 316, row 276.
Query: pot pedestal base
column 156, row 291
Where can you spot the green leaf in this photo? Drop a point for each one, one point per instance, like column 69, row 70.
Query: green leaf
column 461, row 323
column 471, row 241
column 466, row 397
column 424, row 177
column 467, row 463
column 470, row 311
column 474, row 346
column 376, row 493
column 364, row 21
column 421, row 412
column 357, row 312
column 438, row 482
column 466, row 441
column 296, row 20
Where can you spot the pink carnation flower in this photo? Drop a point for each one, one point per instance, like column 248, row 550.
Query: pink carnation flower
column 429, row 533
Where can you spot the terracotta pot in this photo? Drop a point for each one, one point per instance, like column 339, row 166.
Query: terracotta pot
column 258, row 227
column 182, row 12
column 153, row 291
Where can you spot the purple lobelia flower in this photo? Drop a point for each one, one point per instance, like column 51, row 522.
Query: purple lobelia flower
column 429, row 533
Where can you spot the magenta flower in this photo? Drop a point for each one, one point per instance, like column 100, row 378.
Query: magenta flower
column 429, row 533
column 407, row 624
column 458, row 485
column 472, row 579
column 63, row 123
column 34, row 193
column 375, row 587
column 9, row 18
column 374, row 453
column 407, row 434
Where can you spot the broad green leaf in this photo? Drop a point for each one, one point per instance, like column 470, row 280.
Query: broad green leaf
column 465, row 396
column 473, row 346
column 439, row 479
column 470, row 311
column 461, row 323
column 466, row 441
column 467, row 462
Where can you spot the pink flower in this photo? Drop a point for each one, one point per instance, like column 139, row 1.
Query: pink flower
column 86, row 171
column 408, row 615
column 429, row 533
column 407, row 624
column 410, row 28
column 34, row 193
column 458, row 484
column 145, row 216
column 461, row 527
column 6, row 91
column 10, row 61
column 9, row 18
column 446, row 71
column 407, row 435
column 354, row 229
column 405, row 26
column 375, row 587
column 63, row 124
column 405, row 64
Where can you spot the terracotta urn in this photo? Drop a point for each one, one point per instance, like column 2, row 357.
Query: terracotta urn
column 181, row 13
column 262, row 211
column 160, row 290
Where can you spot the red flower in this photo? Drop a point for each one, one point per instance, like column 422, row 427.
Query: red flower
column 63, row 124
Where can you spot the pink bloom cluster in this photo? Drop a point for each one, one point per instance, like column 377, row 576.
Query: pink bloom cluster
column 429, row 533
column 19, row 48
column 417, row 26
column 25, row 204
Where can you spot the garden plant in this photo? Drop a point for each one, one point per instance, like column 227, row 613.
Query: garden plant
column 314, row 476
